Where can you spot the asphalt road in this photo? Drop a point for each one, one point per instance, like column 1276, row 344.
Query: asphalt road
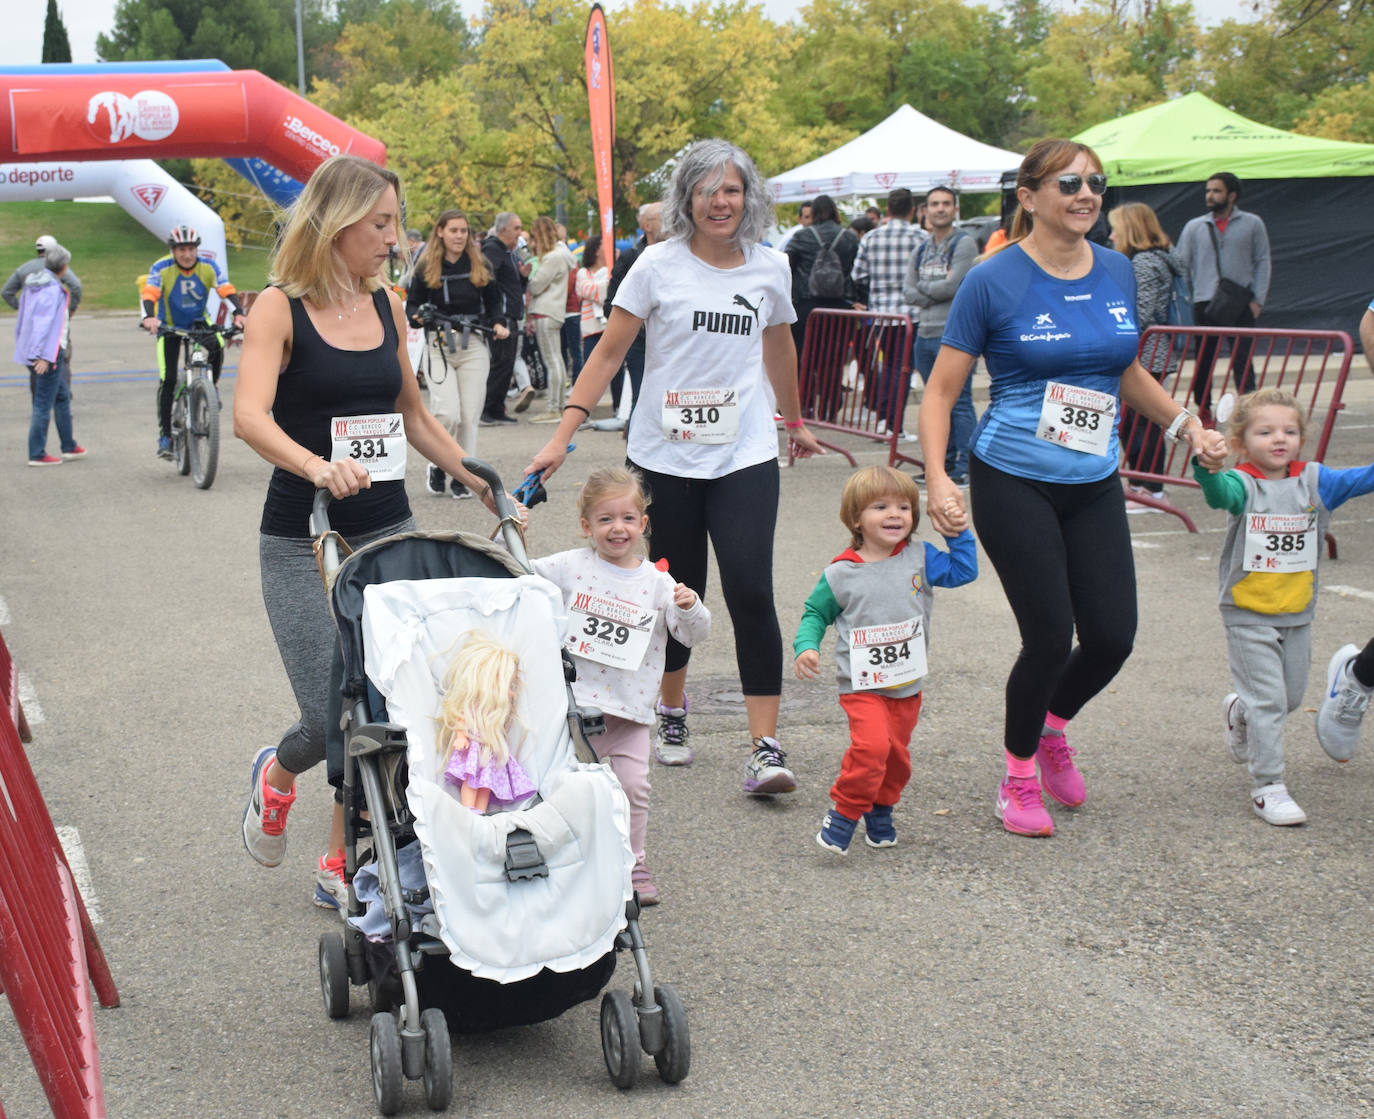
column 1165, row 954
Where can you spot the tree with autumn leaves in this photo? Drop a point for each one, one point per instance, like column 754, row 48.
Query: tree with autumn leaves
column 494, row 115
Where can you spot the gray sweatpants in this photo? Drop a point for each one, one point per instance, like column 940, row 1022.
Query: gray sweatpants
column 305, row 636
column 1269, row 667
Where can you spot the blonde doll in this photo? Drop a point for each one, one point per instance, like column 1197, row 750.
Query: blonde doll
column 475, row 718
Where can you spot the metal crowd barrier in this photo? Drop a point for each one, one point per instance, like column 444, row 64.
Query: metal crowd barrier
column 855, row 372
column 49, row 953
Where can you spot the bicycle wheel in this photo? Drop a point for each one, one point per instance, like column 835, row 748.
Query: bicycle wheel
column 181, row 453
column 203, row 432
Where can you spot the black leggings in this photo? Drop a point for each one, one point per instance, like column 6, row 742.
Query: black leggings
column 1063, row 554
column 739, row 512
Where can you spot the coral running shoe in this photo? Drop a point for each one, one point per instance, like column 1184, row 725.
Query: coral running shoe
column 264, row 816
column 331, row 888
column 1021, row 809
column 1059, row 776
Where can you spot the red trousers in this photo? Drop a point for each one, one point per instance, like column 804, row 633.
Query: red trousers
column 877, row 765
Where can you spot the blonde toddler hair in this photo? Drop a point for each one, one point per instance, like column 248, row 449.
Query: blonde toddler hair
column 611, row 481
column 1251, row 402
column 865, row 486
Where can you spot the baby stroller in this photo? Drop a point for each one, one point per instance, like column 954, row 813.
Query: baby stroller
column 475, row 922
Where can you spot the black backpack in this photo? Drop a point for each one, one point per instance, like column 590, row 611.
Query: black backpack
column 827, row 273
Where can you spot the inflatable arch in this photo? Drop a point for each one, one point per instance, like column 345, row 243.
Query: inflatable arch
column 143, row 189
column 121, row 115
column 277, row 185
column 71, row 134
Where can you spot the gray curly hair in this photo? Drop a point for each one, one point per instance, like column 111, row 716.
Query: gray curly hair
column 703, row 168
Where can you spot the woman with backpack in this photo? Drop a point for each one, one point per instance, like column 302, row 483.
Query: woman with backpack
column 822, row 256
column 828, row 244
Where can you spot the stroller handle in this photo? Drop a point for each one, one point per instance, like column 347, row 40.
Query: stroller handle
column 505, row 510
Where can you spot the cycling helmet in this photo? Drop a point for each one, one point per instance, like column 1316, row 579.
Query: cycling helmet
column 183, row 235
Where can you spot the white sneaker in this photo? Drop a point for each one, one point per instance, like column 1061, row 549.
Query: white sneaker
column 1343, row 707
column 1135, row 508
column 1273, row 805
column 1233, row 716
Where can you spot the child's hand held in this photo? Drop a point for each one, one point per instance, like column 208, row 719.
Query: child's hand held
column 807, row 666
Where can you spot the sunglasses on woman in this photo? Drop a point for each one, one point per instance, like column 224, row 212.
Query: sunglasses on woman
column 1071, row 184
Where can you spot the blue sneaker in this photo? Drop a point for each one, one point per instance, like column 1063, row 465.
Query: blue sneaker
column 836, row 832
column 878, row 829
column 164, row 446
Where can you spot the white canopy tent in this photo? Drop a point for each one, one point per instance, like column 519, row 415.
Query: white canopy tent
column 909, row 150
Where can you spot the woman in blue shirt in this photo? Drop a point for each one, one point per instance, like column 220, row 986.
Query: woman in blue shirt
column 1054, row 317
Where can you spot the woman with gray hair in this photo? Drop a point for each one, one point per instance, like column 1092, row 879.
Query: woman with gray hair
column 717, row 309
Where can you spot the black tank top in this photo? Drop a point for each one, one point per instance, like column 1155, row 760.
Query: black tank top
column 319, row 383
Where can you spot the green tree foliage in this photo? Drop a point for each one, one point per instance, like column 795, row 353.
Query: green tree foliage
column 56, row 46
column 495, row 116
column 1105, row 59
column 965, row 69
column 248, row 34
column 1275, row 69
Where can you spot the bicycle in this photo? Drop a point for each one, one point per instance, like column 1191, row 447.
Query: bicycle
column 195, row 408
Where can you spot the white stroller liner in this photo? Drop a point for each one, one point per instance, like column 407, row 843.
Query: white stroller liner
column 492, row 927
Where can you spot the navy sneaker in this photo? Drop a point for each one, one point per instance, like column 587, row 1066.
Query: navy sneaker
column 878, row 829
column 164, row 446
column 836, row 832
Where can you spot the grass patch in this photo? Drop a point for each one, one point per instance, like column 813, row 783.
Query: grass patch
column 110, row 250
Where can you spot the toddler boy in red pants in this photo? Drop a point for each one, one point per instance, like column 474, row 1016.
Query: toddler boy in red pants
column 877, row 592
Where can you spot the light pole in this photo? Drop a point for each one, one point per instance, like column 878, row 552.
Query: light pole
column 300, row 49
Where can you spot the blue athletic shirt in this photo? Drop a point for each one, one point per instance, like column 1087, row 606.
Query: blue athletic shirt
column 179, row 297
column 1032, row 328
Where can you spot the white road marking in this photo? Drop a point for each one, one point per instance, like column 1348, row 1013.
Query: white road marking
column 70, row 839
column 1348, row 592
column 4, row 612
column 33, row 711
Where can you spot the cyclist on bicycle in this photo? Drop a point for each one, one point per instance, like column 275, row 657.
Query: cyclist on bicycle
column 177, row 291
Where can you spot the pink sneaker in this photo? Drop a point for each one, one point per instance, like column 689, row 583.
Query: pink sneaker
column 1054, row 757
column 644, row 885
column 1021, row 809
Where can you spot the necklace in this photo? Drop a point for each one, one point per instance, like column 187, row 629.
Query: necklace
column 1049, row 265
column 352, row 312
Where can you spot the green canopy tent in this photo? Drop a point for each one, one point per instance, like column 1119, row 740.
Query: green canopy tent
column 1316, row 198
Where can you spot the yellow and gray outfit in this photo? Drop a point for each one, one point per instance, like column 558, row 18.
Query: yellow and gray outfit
column 178, row 297
column 1268, row 613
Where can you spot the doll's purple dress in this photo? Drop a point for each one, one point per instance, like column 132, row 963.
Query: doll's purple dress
column 508, row 783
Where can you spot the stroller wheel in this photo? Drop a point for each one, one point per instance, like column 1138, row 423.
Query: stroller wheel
column 438, row 1060
column 334, row 975
column 620, row 1038
column 676, row 1058
column 387, row 1079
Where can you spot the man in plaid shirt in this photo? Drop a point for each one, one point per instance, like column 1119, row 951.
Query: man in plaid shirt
column 879, row 270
